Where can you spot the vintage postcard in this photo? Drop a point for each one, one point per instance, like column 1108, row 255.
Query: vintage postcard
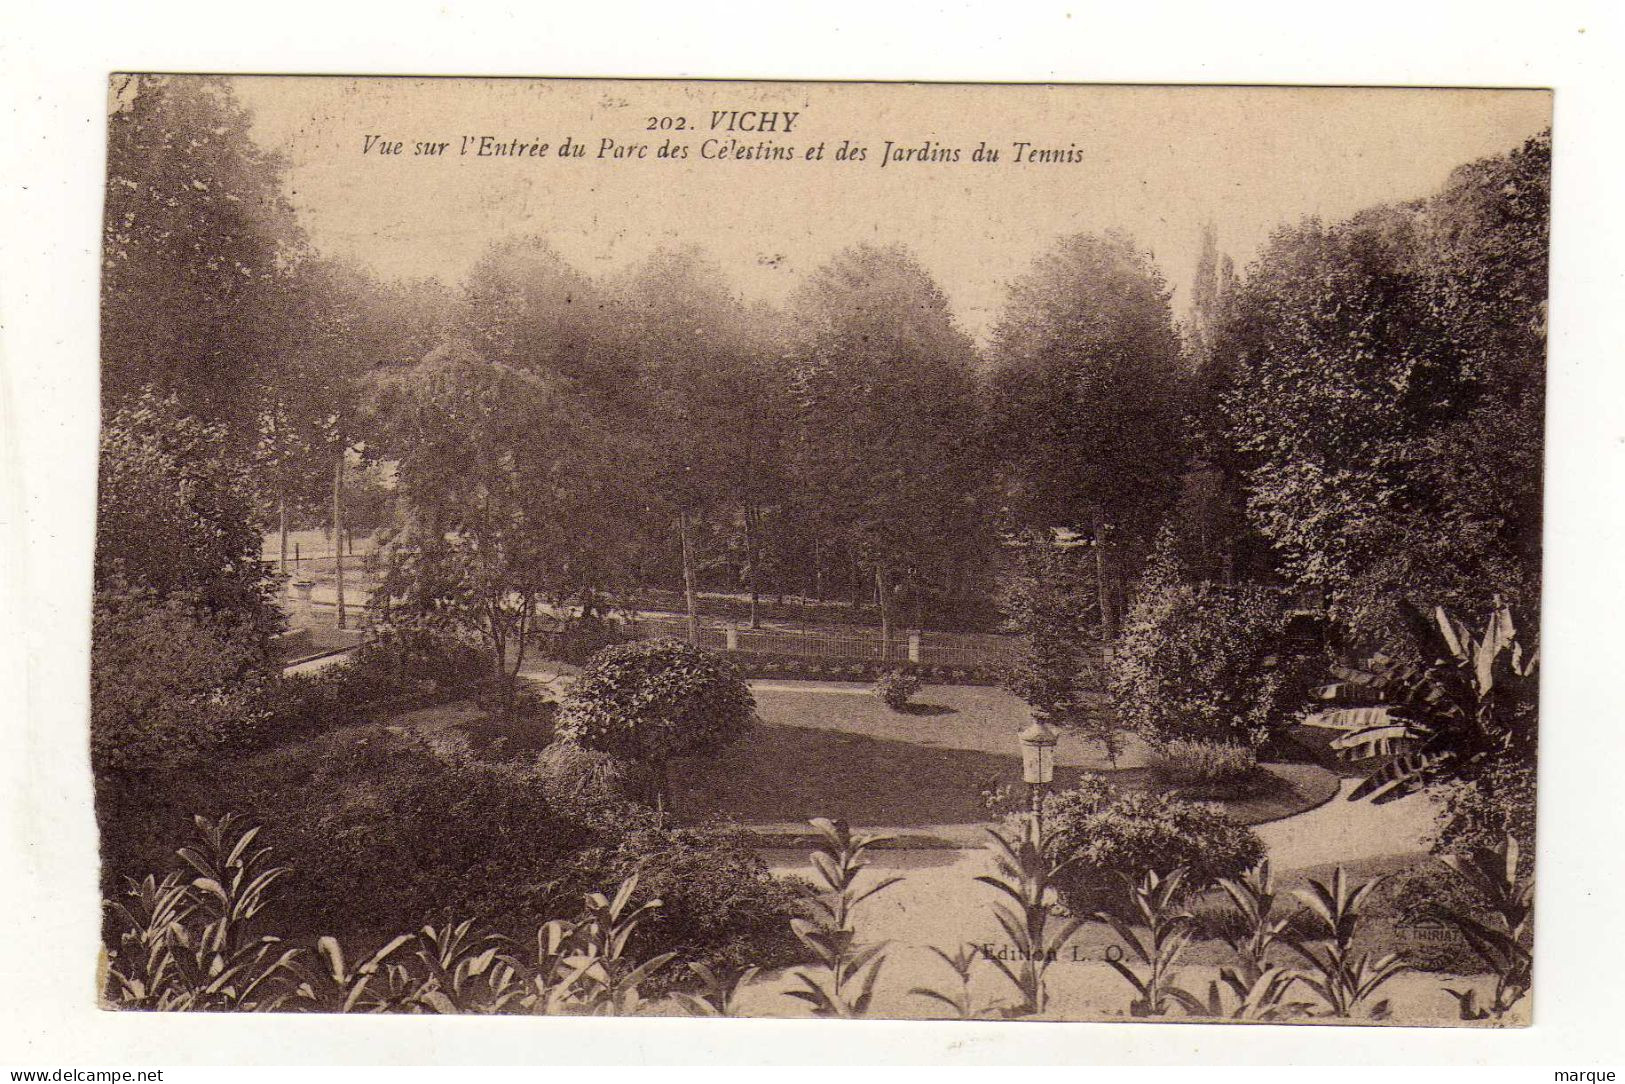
column 1000, row 552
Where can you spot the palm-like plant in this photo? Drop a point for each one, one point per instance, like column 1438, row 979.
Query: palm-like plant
column 1156, row 935
column 1346, row 981
column 842, row 981
column 191, row 945
column 373, row 985
column 1260, row 986
column 962, row 962
column 719, row 989
column 1468, row 704
column 1024, row 872
column 1499, row 942
column 464, row 970
column 605, row 978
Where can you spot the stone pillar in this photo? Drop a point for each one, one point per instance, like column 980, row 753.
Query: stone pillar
column 733, row 636
column 914, row 646
column 304, row 611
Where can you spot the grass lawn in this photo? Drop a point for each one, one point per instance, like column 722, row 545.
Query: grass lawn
column 834, row 750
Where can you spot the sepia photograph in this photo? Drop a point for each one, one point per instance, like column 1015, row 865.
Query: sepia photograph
column 859, row 550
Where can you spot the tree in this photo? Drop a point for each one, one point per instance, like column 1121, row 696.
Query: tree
column 1385, row 393
column 175, row 515
column 508, row 502
column 884, row 459
column 1086, row 386
column 197, row 239
column 706, row 401
column 655, row 700
column 1049, row 595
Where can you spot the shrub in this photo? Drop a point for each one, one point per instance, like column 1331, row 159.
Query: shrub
column 648, row 702
column 1112, row 839
column 897, row 687
column 1480, row 814
column 720, row 906
column 1197, row 662
column 1213, row 768
column 171, row 685
column 442, row 836
column 577, row 640
column 385, row 668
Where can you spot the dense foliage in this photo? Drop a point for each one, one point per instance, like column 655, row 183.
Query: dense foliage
column 651, row 701
column 1108, row 837
column 1385, row 388
column 171, row 685
column 1198, row 662
column 175, row 514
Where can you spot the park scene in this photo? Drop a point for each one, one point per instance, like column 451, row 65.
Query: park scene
column 1156, row 641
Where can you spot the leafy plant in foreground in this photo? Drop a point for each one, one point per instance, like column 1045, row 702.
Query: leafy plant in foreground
column 719, row 991
column 963, row 963
column 1345, row 981
column 1259, row 986
column 842, row 982
column 605, row 977
column 1024, row 873
column 1156, row 942
column 192, row 945
column 1500, row 942
column 374, row 985
column 463, row 970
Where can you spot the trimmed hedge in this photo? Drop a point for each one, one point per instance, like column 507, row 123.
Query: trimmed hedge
column 794, row 668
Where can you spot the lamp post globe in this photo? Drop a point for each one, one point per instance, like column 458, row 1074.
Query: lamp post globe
column 1038, row 763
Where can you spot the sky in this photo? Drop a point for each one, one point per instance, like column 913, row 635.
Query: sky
column 1157, row 163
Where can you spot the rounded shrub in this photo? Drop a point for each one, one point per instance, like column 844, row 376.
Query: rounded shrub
column 1198, row 662
column 897, row 687
column 654, row 700
column 1108, row 838
column 720, row 905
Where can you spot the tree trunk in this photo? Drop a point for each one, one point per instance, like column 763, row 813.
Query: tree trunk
column 755, row 567
column 282, row 530
column 338, row 532
column 1104, row 588
column 662, row 793
column 690, row 596
column 883, row 594
column 510, row 694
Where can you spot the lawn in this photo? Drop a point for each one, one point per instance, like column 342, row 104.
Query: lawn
column 835, row 750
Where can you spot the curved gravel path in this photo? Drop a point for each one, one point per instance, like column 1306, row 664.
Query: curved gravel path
column 1345, row 831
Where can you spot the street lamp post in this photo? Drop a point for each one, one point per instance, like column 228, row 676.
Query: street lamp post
column 1038, row 766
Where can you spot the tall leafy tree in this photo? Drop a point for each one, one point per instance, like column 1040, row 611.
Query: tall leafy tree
column 1087, row 382
column 1385, row 379
column 509, row 502
column 887, row 419
column 704, row 400
column 197, row 239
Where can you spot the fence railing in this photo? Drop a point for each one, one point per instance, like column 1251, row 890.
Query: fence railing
column 925, row 648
